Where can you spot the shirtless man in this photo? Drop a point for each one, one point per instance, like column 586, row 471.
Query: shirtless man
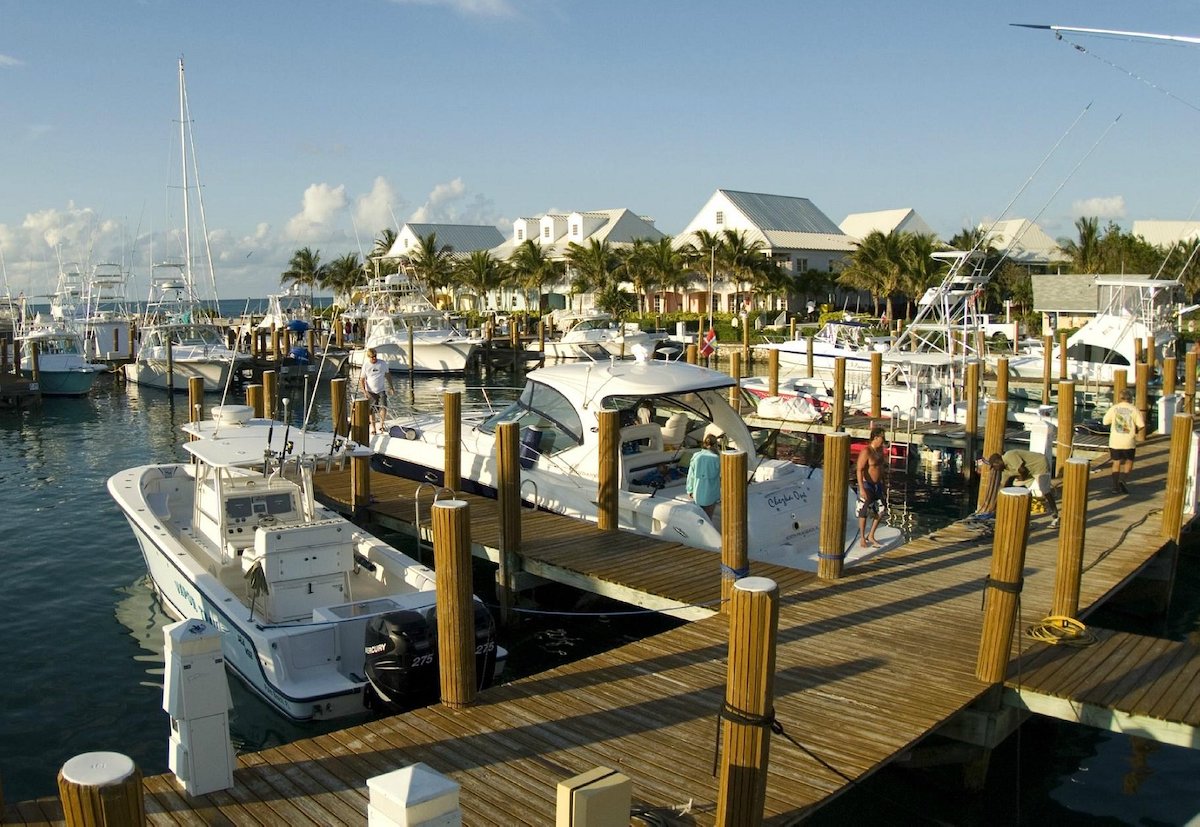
column 871, row 488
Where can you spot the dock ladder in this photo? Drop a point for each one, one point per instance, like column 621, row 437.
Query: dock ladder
column 900, row 445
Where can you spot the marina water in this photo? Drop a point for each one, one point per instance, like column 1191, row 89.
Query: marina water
column 82, row 632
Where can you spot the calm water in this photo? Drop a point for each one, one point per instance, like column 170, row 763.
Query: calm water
column 82, row 632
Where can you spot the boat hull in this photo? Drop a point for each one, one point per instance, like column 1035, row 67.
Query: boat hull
column 154, row 373
column 428, row 357
column 74, row 382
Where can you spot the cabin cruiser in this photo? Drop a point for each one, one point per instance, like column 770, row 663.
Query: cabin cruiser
column 290, row 314
column 62, row 367
column 849, row 338
column 313, row 610
column 667, row 408
column 591, row 335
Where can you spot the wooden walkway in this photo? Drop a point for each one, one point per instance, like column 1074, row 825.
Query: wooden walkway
column 867, row 666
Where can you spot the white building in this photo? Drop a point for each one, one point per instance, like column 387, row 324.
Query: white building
column 1024, row 242
column 1166, row 233
column 459, row 239
column 859, row 225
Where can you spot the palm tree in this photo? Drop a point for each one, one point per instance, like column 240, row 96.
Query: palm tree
column 666, row 265
column 304, row 269
column 532, row 268
column 595, row 269
column 343, row 274
column 876, row 266
column 481, row 273
column 743, row 259
column 383, row 244
column 702, row 255
column 920, row 270
column 433, row 266
column 1084, row 252
column 638, row 270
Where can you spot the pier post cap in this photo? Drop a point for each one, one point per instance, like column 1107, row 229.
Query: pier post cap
column 755, row 584
column 1079, row 461
column 450, row 504
column 1015, row 491
column 98, row 769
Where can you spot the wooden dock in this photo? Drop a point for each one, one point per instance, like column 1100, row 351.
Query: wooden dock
column 867, row 667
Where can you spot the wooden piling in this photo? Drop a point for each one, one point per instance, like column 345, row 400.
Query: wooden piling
column 1047, row 362
column 993, row 443
column 876, row 384
column 835, row 484
column 791, row 330
column 1072, row 528
column 339, row 333
column 839, row 392
column 360, row 460
column 1189, row 381
column 1177, row 469
column 1141, row 397
column 508, row 500
column 773, row 373
column 1169, row 375
column 276, row 344
column 749, row 702
column 1151, row 355
column 196, row 398
column 734, row 562
column 452, row 429
column 1062, row 356
column 270, row 381
column 1002, row 379
column 541, row 336
column 811, row 372
column 735, row 373
column 455, row 609
column 692, row 354
column 254, row 398
column 1066, row 426
column 101, row 788
column 1120, row 383
column 170, row 365
column 337, row 405
column 746, row 338
column 610, row 469
column 360, row 421
column 412, row 349
column 35, row 362
column 1003, row 586
column 1139, row 350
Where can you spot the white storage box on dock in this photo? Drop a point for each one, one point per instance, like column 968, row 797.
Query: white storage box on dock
column 195, row 684
column 415, row 796
column 597, row 798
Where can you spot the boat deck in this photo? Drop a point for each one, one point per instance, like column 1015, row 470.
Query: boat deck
column 867, row 667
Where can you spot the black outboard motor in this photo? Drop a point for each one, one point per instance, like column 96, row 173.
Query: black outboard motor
column 402, row 654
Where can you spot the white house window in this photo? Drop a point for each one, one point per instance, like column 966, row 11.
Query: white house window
column 575, row 229
column 801, row 265
column 545, row 232
column 406, row 244
column 520, row 235
column 720, row 217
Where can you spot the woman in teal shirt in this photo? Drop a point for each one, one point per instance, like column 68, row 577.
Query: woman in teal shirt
column 704, row 476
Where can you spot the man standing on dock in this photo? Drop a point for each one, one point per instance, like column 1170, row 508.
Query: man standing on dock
column 375, row 378
column 1125, row 420
column 872, row 489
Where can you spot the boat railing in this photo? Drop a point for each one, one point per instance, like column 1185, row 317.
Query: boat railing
column 437, row 490
column 521, row 491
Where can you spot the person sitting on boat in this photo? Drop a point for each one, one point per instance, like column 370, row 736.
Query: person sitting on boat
column 872, row 488
column 374, row 379
column 704, row 475
column 1027, row 469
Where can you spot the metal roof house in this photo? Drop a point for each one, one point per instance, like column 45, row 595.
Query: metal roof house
column 1024, row 242
column 1166, row 233
column 458, row 239
column 1068, row 300
column 861, row 224
column 793, row 231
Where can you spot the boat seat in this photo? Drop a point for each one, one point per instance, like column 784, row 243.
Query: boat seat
column 648, row 437
column 674, row 430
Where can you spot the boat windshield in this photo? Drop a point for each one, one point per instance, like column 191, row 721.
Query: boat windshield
column 196, row 334
column 545, row 408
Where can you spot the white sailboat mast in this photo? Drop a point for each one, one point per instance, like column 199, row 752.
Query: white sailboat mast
column 1175, row 38
column 187, row 224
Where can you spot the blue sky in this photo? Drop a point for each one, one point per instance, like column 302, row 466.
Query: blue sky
column 317, row 122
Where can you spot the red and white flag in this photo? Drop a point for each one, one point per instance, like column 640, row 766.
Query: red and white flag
column 708, row 346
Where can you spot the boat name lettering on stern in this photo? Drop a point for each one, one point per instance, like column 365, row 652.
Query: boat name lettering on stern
column 781, row 500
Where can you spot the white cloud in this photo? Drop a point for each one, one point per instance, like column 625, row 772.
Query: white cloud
column 376, row 210
column 9, row 60
column 467, row 8
column 1104, row 206
column 452, row 203
column 320, row 208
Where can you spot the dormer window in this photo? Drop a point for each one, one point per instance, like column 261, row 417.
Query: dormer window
column 520, row 235
column 720, row 217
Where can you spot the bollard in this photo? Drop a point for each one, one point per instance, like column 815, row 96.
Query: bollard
column 455, row 611
column 831, row 554
column 101, row 788
column 609, row 468
column 876, row 384
column 254, row 398
column 1141, row 397
column 1003, row 585
column 734, row 561
column 1002, row 379
column 1177, row 470
column 337, row 405
column 773, row 374
column 1073, row 513
column 735, row 372
column 749, row 702
column 839, row 393
column 508, row 500
column 452, row 425
column 993, row 443
column 1047, row 363
column 1066, row 426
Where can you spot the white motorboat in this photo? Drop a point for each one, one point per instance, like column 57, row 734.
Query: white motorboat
column 667, row 407
column 592, row 334
column 62, row 367
column 291, row 314
column 312, row 609
column 848, row 338
column 409, row 333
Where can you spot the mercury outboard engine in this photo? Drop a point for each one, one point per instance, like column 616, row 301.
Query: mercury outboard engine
column 402, row 654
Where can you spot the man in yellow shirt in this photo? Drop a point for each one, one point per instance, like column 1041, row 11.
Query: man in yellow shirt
column 1124, row 421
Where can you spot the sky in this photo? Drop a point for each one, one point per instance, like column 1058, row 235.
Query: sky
column 320, row 123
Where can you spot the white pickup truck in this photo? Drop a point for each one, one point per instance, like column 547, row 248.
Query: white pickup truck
column 990, row 328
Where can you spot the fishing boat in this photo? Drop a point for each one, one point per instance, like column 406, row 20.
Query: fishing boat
column 592, row 334
column 666, row 408
column 178, row 341
column 318, row 617
column 291, row 313
column 62, row 367
column 408, row 332
column 850, row 338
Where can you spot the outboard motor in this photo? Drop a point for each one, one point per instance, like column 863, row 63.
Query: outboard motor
column 402, row 654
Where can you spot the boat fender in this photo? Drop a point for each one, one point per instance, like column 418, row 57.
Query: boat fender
column 403, row 432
